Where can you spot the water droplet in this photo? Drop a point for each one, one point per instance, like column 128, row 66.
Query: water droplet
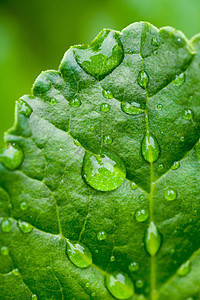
column 119, row 285
column 101, row 235
column 134, row 266
column 160, row 167
column 112, row 258
column 150, row 148
column 93, row 294
column 152, row 239
column 133, row 186
column 11, row 156
column 179, row 79
column 143, row 79
column 105, row 107
column 16, row 272
column 105, row 172
column 184, row 269
column 87, row 284
column 141, row 297
column 159, row 106
column 141, row 215
column 131, row 109
column 139, row 283
column 182, row 139
column 107, row 140
column 79, row 254
column 53, row 101
column 187, row 114
column 107, row 94
column 97, row 251
column 75, row 102
column 4, row 250
column 175, row 165
column 155, row 52
column 24, row 108
column 77, row 143
column 10, row 205
column 141, row 197
column 34, row 297
column 24, row 227
column 6, row 225
column 23, row 206
column 170, row 194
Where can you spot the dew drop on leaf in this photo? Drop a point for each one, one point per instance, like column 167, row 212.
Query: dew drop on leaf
column 6, row 225
column 133, row 186
column 131, row 109
column 141, row 297
column 101, row 235
column 93, row 294
column 16, row 272
column 184, row 269
column 34, row 297
column 179, row 79
column 159, row 106
column 11, row 157
column 24, row 226
column 141, row 215
column 87, row 284
column 150, row 148
column 134, row 266
column 182, row 139
column 112, row 258
column 75, row 102
column 143, row 79
column 105, row 107
column 105, row 172
column 170, row 194
column 53, row 101
column 160, row 167
column 107, row 94
column 4, row 250
column 120, row 285
column 23, row 205
column 175, row 165
column 24, row 108
column 139, row 283
column 77, row 143
column 187, row 114
column 107, row 140
column 79, row 254
column 152, row 239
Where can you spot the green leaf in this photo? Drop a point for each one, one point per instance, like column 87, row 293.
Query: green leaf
column 100, row 174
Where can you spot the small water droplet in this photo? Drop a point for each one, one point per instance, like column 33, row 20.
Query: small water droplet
column 75, row 102
column 175, row 165
column 107, row 140
column 134, row 266
column 53, row 101
column 23, row 206
column 6, row 225
column 152, row 239
column 170, row 194
column 184, row 269
column 141, row 197
column 159, row 106
column 139, row 283
column 182, row 139
column 133, row 186
column 143, row 79
column 107, row 94
column 10, row 205
column 179, row 79
column 4, row 250
column 105, row 107
column 119, row 285
column 77, row 143
column 96, row 251
column 11, row 157
column 160, row 167
column 24, row 108
column 16, row 272
column 93, row 294
column 112, row 258
column 34, row 297
column 131, row 109
column 187, row 114
column 101, row 235
column 79, row 254
column 150, row 148
column 105, row 172
column 87, row 284
column 24, row 227
column 141, row 215
column 141, row 297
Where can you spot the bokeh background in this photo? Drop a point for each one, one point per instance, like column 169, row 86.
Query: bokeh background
column 34, row 34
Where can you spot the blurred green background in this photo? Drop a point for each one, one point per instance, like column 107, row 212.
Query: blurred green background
column 34, row 34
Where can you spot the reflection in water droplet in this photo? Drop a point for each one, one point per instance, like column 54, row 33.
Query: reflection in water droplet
column 79, row 254
column 188, row 114
column 24, row 108
column 184, row 269
column 170, row 194
column 105, row 107
column 23, row 206
column 134, row 266
column 6, row 225
column 141, row 215
column 119, row 285
column 34, row 297
column 133, row 186
column 131, row 109
column 152, row 239
column 139, row 283
column 107, row 94
column 24, row 227
column 112, row 258
column 11, row 156
column 16, row 272
column 75, row 102
column 105, row 172
column 150, row 148
column 175, row 165
column 179, row 79
column 107, row 140
column 4, row 250
column 143, row 79
column 101, row 235
column 159, row 106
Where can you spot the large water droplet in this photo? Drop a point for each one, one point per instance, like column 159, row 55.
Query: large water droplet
column 107, row 94
column 75, row 102
column 24, row 108
column 188, row 114
column 131, row 109
column 79, row 254
column 134, row 266
column 120, row 285
column 24, row 227
column 101, row 235
column 170, row 194
column 11, row 157
column 139, row 283
column 150, row 148
column 4, row 250
column 152, row 239
column 175, row 165
column 159, row 106
column 23, row 206
column 179, row 79
column 107, row 140
column 143, row 79
column 105, row 107
column 6, row 225
column 141, row 215
column 133, row 186
column 184, row 269
column 105, row 172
